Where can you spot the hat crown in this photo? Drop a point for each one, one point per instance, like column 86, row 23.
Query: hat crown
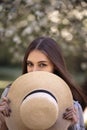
column 37, row 109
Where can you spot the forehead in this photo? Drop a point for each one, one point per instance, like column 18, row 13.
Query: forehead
column 37, row 55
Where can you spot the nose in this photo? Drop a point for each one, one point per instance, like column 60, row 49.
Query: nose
column 35, row 68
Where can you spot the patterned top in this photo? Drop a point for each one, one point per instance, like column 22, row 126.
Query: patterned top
column 80, row 125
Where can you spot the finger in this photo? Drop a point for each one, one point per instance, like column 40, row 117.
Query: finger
column 69, row 116
column 72, row 110
column 0, row 124
column 5, row 99
column 5, row 109
column 6, row 112
column 4, row 103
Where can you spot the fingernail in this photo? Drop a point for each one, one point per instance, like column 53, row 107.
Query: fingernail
column 64, row 114
column 9, row 110
column 67, row 109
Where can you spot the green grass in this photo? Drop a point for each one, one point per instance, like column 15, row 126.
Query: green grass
column 3, row 83
column 7, row 75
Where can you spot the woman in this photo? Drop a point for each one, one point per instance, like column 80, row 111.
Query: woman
column 44, row 54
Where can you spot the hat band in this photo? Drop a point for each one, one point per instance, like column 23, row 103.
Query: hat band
column 40, row 90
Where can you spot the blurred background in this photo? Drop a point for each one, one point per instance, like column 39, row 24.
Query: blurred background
column 23, row 20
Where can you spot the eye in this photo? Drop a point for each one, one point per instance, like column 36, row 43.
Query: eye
column 42, row 65
column 29, row 64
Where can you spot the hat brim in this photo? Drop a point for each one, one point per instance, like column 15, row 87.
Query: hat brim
column 29, row 82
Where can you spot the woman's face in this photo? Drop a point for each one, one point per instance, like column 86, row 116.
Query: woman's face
column 38, row 61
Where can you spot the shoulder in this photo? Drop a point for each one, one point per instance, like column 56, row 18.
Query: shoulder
column 80, row 123
column 77, row 105
column 6, row 90
column 79, row 109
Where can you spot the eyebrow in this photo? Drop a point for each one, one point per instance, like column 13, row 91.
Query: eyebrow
column 38, row 62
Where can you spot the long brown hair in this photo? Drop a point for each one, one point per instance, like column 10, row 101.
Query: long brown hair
column 53, row 51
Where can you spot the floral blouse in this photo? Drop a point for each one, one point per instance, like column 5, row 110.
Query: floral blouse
column 80, row 125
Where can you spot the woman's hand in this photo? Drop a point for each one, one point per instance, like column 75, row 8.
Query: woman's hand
column 4, row 111
column 4, row 107
column 71, row 114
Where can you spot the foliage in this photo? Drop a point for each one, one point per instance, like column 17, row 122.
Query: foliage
column 65, row 21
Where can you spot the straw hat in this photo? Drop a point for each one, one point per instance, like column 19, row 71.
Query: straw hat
column 38, row 101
